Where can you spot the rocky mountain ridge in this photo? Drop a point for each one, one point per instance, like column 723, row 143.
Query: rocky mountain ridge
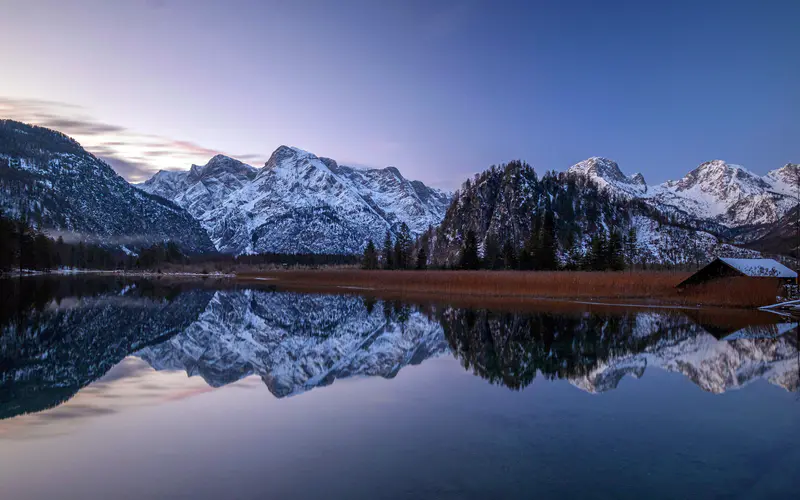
column 715, row 191
column 298, row 203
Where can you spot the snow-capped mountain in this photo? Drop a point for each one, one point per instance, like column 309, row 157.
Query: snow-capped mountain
column 717, row 192
column 298, row 203
column 607, row 175
column 61, row 188
column 202, row 188
column 728, row 194
column 296, row 342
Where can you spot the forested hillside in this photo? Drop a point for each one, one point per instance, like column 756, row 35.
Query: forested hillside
column 510, row 217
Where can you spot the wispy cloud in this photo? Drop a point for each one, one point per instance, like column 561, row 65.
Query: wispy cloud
column 135, row 156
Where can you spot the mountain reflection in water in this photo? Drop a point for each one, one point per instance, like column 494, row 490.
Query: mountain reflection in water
column 57, row 336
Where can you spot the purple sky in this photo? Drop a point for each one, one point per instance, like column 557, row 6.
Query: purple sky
column 440, row 89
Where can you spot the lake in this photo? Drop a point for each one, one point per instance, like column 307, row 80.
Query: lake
column 135, row 388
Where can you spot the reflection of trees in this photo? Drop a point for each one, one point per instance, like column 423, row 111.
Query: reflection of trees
column 58, row 335
column 510, row 348
column 22, row 298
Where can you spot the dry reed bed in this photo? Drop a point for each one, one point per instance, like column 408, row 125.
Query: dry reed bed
column 644, row 287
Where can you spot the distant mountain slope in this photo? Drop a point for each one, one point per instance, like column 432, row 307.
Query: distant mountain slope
column 715, row 192
column 781, row 238
column 50, row 179
column 298, row 203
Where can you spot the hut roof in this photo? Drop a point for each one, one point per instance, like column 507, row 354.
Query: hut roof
column 760, row 268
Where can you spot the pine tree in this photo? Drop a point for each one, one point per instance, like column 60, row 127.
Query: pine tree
column 597, row 256
column 631, row 247
column 25, row 241
column 532, row 250
column 388, row 252
column 43, row 252
column 370, row 260
column 524, row 259
column 469, row 253
column 397, row 253
column 509, row 255
column 491, row 253
column 422, row 259
column 616, row 256
column 547, row 257
column 8, row 248
column 403, row 248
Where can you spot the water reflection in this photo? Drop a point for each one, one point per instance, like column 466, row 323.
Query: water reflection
column 297, row 341
column 57, row 336
column 594, row 352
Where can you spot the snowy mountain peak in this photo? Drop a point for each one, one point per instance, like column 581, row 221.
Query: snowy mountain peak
column 716, row 175
column 607, row 175
column 788, row 174
column 725, row 193
column 222, row 165
column 395, row 172
column 288, row 155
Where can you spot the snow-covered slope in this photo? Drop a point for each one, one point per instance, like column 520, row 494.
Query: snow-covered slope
column 202, row 188
column 50, row 179
column 716, row 191
column 728, row 194
column 298, row 203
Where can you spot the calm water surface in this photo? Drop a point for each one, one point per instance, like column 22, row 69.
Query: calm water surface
column 113, row 388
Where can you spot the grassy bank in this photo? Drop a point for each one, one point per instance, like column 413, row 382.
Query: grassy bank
column 641, row 287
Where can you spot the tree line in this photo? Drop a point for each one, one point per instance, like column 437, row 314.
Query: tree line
column 615, row 251
column 400, row 252
column 24, row 248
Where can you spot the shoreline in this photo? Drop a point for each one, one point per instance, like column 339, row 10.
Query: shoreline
column 637, row 289
column 643, row 289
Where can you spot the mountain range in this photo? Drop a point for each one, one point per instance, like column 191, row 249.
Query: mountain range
column 298, row 203
column 716, row 191
column 503, row 205
column 301, row 203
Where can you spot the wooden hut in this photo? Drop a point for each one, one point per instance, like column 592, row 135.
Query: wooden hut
column 753, row 268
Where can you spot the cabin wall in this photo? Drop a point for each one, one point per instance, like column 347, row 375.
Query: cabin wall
column 713, row 271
